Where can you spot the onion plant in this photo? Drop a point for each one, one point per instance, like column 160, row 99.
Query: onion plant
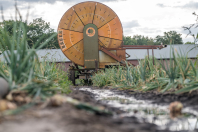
column 102, row 78
column 23, row 69
column 129, row 78
column 184, row 64
column 21, row 61
column 176, row 74
column 142, row 70
column 170, row 68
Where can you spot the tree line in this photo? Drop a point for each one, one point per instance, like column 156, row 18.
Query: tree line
column 39, row 28
column 36, row 29
column 171, row 37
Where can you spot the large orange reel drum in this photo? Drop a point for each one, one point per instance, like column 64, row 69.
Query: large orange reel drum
column 72, row 23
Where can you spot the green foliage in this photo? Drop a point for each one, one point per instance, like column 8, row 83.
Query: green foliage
column 138, row 40
column 39, row 28
column 20, row 63
column 35, row 30
column 142, row 70
column 184, row 64
column 189, row 42
column 4, row 67
column 171, row 69
column 102, row 78
column 176, row 74
column 129, row 41
column 22, row 69
column 171, row 37
column 50, row 71
column 192, row 83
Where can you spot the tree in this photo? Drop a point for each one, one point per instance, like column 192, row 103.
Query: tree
column 129, row 41
column 138, row 40
column 39, row 28
column 35, row 30
column 189, row 42
column 8, row 26
column 171, row 37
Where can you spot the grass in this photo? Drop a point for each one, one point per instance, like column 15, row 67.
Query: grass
column 177, row 74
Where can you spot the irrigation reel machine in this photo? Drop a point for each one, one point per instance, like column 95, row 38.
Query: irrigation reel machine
column 90, row 34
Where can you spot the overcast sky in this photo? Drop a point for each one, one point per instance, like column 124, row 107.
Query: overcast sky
column 143, row 17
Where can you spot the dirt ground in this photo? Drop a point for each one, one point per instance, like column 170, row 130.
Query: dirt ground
column 187, row 99
column 68, row 118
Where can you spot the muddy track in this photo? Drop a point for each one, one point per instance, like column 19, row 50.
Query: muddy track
column 187, row 99
column 70, row 119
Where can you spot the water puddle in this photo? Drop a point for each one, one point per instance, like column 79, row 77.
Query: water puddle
column 145, row 111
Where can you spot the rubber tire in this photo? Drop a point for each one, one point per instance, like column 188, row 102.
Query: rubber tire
column 72, row 76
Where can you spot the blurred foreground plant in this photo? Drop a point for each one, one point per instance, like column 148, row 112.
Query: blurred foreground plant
column 22, row 68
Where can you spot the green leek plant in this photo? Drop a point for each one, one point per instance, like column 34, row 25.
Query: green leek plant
column 135, row 75
column 184, row 64
column 179, row 74
column 172, row 68
column 50, row 71
column 193, row 83
column 102, row 78
column 18, row 57
column 142, row 69
column 129, row 78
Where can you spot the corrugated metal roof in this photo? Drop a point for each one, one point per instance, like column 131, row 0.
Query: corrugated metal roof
column 51, row 55
column 165, row 52
column 56, row 55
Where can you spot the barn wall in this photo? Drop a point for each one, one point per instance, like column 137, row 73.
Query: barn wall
column 64, row 65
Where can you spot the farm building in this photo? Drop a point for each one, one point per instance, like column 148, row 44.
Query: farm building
column 56, row 55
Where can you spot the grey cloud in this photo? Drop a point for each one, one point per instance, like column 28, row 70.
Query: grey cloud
column 127, row 31
column 6, row 4
column 130, row 24
column 149, row 30
column 127, row 26
column 192, row 5
column 53, row 1
column 161, row 5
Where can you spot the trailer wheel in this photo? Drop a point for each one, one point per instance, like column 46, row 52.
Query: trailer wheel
column 72, row 76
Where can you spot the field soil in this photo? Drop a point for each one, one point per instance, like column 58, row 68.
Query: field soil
column 187, row 99
column 67, row 118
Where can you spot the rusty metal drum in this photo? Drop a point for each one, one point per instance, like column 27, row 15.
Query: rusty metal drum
column 72, row 23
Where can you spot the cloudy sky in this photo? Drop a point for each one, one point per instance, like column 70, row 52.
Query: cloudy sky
column 143, row 17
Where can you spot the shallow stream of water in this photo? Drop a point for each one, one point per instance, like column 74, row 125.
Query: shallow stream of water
column 146, row 111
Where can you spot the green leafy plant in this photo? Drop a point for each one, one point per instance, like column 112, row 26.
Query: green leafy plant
column 142, row 69
column 176, row 74
column 101, row 79
column 172, row 68
column 22, row 61
column 184, row 64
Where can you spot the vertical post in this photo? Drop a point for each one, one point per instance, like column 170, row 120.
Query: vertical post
column 72, row 76
column 153, row 56
column 96, row 65
column 148, row 58
column 148, row 53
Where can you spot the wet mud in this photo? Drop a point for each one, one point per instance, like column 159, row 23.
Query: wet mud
column 68, row 118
